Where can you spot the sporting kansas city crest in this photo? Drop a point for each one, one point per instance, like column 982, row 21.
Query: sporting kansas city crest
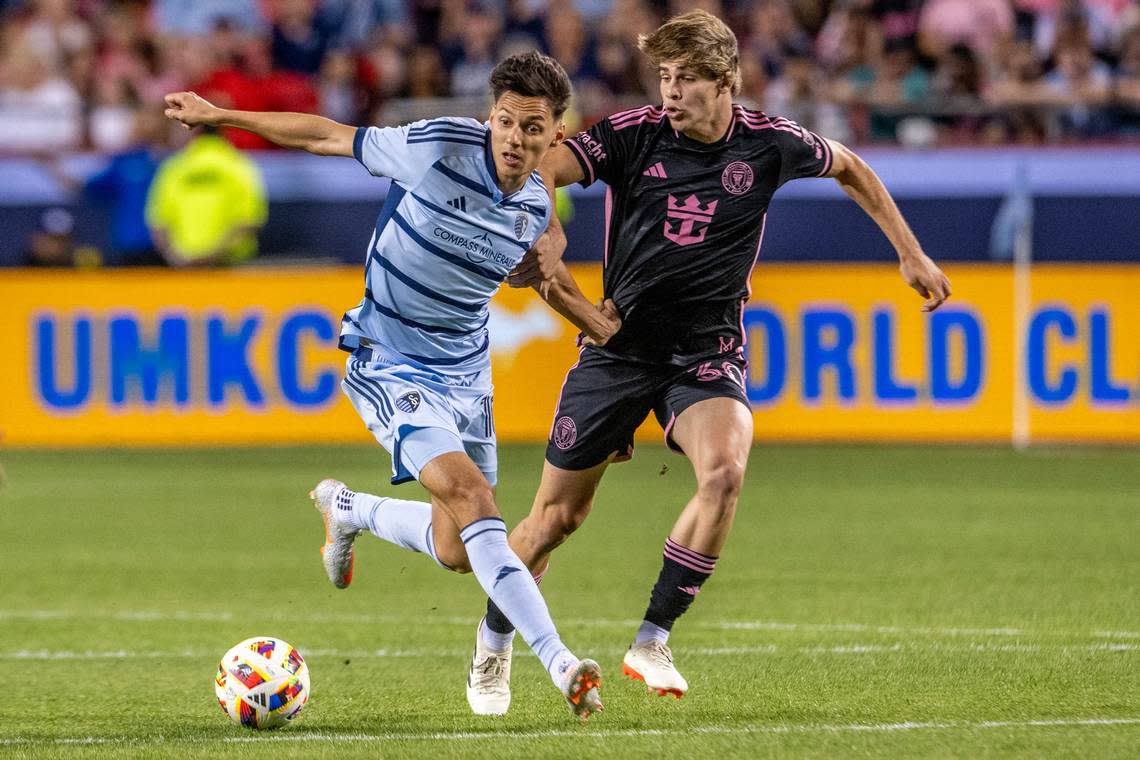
column 521, row 223
column 409, row 402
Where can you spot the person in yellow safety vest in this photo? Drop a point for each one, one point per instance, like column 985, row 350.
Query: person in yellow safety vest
column 207, row 204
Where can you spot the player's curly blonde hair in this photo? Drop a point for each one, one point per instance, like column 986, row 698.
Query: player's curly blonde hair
column 696, row 40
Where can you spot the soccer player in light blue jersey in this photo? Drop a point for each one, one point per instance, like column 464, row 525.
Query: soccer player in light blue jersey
column 464, row 207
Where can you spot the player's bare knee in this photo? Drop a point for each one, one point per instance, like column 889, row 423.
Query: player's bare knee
column 720, row 485
column 560, row 519
column 468, row 499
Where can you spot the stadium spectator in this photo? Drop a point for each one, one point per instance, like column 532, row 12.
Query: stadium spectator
column 1128, row 83
column 957, row 84
column 473, row 57
column 773, row 36
column 525, row 25
column 617, row 69
column 111, row 118
column 300, row 37
column 897, row 83
column 981, row 25
column 179, row 18
column 122, row 41
column 427, row 78
column 570, row 43
column 343, row 97
column 122, row 187
column 1019, row 92
column 55, row 32
column 1104, row 20
column 795, row 94
column 358, row 22
column 52, row 244
column 1083, row 83
column 251, row 83
column 206, row 204
column 387, row 70
column 39, row 109
column 899, row 19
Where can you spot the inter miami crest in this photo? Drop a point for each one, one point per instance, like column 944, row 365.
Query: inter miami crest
column 565, row 433
column 409, row 402
column 737, row 178
column 521, row 222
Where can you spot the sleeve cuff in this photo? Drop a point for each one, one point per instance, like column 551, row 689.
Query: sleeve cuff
column 358, row 144
column 827, row 157
column 587, row 167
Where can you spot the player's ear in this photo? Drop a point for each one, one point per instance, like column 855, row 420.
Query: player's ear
column 559, row 134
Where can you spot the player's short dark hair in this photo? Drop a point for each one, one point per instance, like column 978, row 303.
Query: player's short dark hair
column 533, row 75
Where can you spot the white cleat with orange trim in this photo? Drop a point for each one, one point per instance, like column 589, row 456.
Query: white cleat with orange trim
column 652, row 663
column 581, row 689
column 337, row 553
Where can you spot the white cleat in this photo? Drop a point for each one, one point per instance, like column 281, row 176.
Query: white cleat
column 581, row 689
column 338, row 554
column 652, row 663
column 489, row 679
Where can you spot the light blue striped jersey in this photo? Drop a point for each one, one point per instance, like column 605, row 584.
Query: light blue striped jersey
column 445, row 240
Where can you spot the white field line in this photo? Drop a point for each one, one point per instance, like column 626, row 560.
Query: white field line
column 766, row 649
column 586, row 733
column 370, row 619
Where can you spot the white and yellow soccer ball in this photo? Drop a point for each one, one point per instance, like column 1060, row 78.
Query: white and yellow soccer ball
column 262, row 683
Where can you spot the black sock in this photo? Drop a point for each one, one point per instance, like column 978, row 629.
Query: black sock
column 496, row 620
column 683, row 571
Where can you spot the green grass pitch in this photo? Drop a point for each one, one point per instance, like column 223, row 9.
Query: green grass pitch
column 872, row 602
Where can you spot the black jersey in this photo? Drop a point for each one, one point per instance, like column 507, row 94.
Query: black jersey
column 684, row 220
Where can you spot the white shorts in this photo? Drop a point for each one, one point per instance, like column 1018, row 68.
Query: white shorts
column 417, row 415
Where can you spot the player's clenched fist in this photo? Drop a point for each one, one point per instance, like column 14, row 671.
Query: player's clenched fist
column 611, row 323
column 190, row 109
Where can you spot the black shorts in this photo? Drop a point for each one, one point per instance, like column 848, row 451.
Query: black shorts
column 605, row 399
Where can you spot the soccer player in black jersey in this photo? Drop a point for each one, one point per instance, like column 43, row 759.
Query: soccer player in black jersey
column 689, row 185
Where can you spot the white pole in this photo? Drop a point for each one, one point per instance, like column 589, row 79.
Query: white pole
column 1022, row 297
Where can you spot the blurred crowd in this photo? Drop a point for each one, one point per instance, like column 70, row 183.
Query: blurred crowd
column 76, row 74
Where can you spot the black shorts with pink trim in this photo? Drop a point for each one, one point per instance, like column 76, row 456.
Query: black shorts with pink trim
column 605, row 399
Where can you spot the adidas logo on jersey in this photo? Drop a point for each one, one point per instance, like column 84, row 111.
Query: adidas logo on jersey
column 459, row 203
column 657, row 170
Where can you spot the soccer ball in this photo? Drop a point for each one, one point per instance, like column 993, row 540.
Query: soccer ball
column 262, row 683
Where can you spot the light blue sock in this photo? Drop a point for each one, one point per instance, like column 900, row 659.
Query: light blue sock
column 506, row 580
column 398, row 521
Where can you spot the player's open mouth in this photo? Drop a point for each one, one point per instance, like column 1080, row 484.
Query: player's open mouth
column 674, row 113
column 512, row 160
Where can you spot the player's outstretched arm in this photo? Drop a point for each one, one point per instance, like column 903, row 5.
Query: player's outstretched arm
column 597, row 323
column 864, row 186
column 302, row 131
